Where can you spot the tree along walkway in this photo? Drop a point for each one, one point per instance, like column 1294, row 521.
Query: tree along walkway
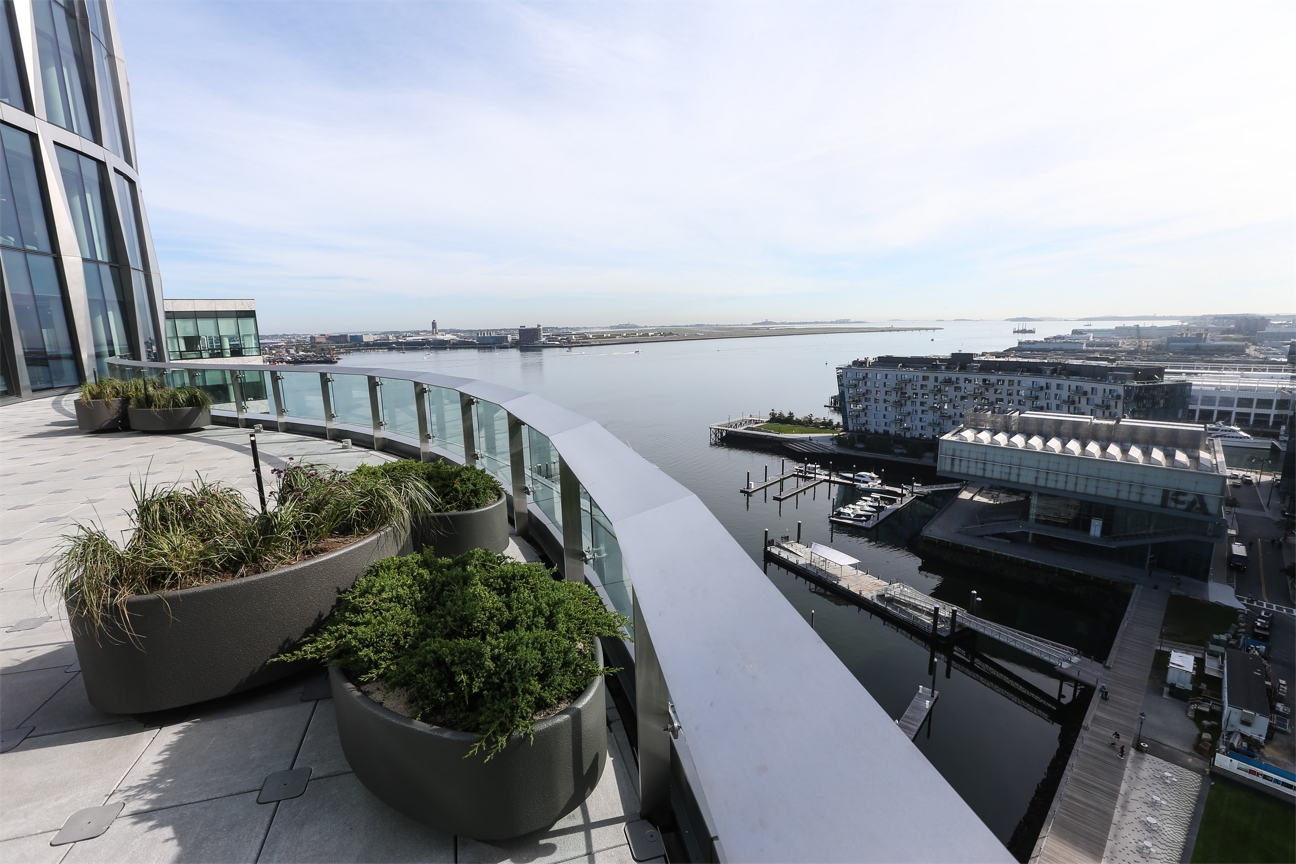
column 1080, row 820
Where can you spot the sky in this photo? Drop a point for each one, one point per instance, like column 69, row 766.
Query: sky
column 374, row 165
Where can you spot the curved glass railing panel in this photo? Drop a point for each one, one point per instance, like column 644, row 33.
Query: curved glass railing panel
column 256, row 392
column 399, row 407
column 543, row 477
column 350, row 394
column 302, row 396
column 490, row 422
column 445, row 421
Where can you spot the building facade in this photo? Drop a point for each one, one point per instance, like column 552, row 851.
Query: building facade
column 1255, row 398
column 211, row 329
column 1136, row 492
column 926, row 397
column 80, row 274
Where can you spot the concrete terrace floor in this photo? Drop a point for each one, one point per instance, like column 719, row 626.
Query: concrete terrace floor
column 190, row 779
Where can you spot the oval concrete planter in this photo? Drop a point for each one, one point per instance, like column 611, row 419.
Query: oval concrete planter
column 421, row 771
column 169, row 419
column 101, row 415
column 214, row 640
column 451, row 534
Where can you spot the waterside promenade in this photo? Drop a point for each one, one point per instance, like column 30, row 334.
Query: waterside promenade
column 189, row 780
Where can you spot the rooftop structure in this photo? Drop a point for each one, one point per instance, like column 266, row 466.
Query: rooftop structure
column 80, row 273
column 730, row 720
column 926, row 397
column 212, row 329
column 1246, row 699
column 1136, row 491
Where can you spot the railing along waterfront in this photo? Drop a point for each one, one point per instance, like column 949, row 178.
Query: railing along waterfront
column 752, row 737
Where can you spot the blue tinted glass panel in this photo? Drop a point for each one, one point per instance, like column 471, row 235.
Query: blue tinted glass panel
column 141, row 288
column 248, row 335
column 108, row 114
column 83, row 180
column 256, row 393
column 63, row 68
column 129, row 205
column 22, row 221
column 11, row 91
column 42, row 322
column 602, row 545
column 108, row 325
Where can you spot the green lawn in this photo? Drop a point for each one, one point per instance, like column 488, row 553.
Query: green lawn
column 788, row 429
column 1195, row 621
column 1242, row 825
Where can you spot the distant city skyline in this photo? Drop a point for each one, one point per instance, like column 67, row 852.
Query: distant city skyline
column 356, row 166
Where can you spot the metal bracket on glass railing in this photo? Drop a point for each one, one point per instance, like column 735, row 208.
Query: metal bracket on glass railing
column 673, row 727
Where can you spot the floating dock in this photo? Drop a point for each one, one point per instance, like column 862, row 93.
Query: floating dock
column 918, row 711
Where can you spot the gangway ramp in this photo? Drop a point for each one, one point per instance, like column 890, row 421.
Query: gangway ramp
column 918, row 711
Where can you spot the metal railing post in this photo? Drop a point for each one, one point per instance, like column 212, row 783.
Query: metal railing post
column 469, row 430
column 236, row 381
column 654, row 721
column 376, row 411
column 326, row 392
column 276, row 387
column 420, row 408
column 517, row 468
column 193, row 377
column 573, row 541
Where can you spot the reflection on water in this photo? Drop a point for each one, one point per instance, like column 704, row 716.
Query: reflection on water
column 990, row 749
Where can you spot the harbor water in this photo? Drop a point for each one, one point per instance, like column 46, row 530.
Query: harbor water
column 661, row 397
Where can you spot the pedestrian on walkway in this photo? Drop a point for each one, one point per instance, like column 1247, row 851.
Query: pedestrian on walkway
column 1122, row 751
column 1115, row 739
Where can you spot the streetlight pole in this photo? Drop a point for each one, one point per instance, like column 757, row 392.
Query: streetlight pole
column 1138, row 739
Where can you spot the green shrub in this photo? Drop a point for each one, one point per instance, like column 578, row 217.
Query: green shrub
column 480, row 643
column 207, row 532
column 104, row 388
column 151, row 393
column 457, row 487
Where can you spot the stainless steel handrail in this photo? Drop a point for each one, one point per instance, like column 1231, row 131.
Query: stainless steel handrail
column 795, row 760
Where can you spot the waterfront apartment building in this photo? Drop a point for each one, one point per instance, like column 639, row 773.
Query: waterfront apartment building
column 1135, row 492
column 80, row 274
column 927, row 397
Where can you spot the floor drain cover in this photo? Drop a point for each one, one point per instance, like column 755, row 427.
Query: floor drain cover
column 645, row 840
column 317, row 688
column 28, row 624
column 11, row 738
column 282, row 785
column 87, row 824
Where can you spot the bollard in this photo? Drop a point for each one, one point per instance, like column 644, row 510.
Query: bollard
column 256, row 469
column 798, row 531
column 811, row 619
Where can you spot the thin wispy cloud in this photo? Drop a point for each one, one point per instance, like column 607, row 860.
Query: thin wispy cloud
column 371, row 165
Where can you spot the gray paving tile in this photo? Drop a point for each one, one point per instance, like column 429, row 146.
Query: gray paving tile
column 52, row 631
column 28, row 658
column 49, row 778
column 321, row 751
column 213, row 757
column 592, row 828
column 34, row 849
column 22, row 693
column 70, row 709
column 339, row 820
column 226, row 830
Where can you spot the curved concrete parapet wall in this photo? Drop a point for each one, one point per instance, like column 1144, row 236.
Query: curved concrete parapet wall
column 214, row 640
column 422, row 771
column 788, row 756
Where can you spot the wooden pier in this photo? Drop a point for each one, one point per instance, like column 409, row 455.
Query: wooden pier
column 918, row 711
column 1079, row 822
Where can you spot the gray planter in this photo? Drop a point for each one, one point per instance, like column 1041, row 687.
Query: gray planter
column 169, row 419
column 451, row 534
column 421, row 771
column 101, row 415
column 214, row 640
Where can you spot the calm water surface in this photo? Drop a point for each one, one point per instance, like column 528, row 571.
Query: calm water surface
column 661, row 401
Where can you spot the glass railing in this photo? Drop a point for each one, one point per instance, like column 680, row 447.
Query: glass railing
column 753, row 740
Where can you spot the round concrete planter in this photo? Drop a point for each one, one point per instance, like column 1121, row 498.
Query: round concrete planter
column 214, row 640
column 421, row 771
column 101, row 415
column 451, row 534
column 169, row 419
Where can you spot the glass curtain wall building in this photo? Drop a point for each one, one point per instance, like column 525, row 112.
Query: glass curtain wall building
column 80, row 275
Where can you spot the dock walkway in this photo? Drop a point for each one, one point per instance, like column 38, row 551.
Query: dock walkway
column 918, row 711
column 1080, row 820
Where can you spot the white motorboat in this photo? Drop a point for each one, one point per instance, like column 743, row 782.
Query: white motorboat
column 1232, row 436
